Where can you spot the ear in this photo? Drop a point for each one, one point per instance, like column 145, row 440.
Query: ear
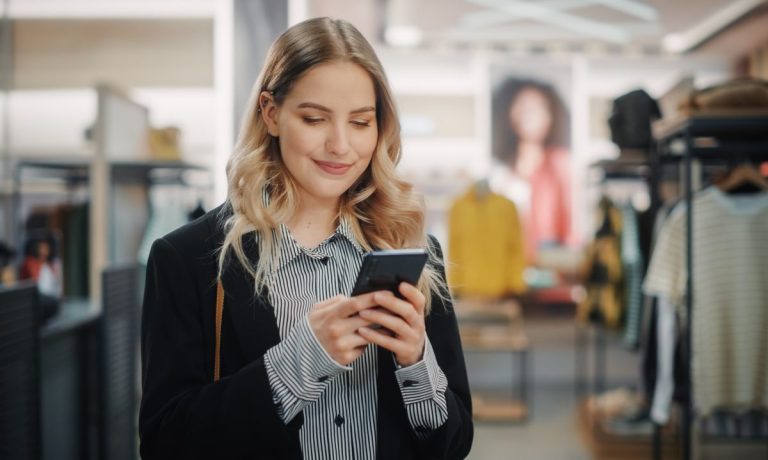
column 269, row 112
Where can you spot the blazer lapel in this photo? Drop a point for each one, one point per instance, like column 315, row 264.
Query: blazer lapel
column 251, row 317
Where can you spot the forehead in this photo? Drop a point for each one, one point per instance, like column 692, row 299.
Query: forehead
column 531, row 94
column 335, row 84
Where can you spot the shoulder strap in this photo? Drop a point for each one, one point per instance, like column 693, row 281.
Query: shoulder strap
column 219, row 314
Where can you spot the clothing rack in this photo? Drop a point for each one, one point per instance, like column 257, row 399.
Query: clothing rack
column 612, row 170
column 729, row 137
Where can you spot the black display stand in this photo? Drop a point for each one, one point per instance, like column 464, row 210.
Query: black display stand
column 19, row 374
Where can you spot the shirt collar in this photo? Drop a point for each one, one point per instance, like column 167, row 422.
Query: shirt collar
column 345, row 229
column 288, row 248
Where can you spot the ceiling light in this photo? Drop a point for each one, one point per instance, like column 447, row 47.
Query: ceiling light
column 403, row 35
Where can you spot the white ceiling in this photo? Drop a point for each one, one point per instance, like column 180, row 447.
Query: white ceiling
column 646, row 25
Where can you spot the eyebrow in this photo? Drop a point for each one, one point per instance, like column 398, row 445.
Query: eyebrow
column 322, row 108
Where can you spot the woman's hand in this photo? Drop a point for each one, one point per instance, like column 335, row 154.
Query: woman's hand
column 335, row 323
column 404, row 318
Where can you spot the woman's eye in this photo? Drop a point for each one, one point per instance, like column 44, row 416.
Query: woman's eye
column 312, row 120
column 361, row 123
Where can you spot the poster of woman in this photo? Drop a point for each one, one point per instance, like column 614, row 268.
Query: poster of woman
column 530, row 148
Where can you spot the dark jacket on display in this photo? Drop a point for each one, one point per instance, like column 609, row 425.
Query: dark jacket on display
column 185, row 415
column 631, row 119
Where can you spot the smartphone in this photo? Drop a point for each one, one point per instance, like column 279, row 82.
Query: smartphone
column 385, row 270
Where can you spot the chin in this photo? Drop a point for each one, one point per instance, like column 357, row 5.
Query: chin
column 329, row 191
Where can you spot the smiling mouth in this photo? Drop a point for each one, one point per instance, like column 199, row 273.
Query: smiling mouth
column 333, row 168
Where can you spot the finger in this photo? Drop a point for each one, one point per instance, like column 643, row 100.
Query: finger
column 398, row 307
column 353, row 305
column 413, row 295
column 328, row 302
column 354, row 340
column 392, row 322
column 393, row 344
column 352, row 323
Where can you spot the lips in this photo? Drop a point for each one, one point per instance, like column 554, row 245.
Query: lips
column 337, row 169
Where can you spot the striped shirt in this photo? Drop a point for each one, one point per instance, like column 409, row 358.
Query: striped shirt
column 339, row 403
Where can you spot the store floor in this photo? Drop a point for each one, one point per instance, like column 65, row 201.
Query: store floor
column 551, row 433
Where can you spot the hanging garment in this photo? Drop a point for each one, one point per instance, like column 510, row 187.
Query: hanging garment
column 666, row 330
column 649, row 336
column 602, row 270
column 730, row 295
column 167, row 213
column 485, row 246
column 632, row 266
column 631, row 119
column 651, row 354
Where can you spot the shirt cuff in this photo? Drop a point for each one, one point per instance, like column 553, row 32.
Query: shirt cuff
column 419, row 381
column 301, row 365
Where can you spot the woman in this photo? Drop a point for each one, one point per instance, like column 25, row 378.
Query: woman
column 312, row 186
column 530, row 142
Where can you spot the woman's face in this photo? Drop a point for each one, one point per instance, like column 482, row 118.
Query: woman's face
column 529, row 116
column 326, row 128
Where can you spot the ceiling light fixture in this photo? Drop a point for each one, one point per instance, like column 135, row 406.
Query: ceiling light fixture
column 403, row 36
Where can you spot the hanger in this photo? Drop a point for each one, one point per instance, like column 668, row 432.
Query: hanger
column 482, row 188
column 744, row 178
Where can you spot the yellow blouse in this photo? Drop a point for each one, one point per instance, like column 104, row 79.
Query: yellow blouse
column 485, row 246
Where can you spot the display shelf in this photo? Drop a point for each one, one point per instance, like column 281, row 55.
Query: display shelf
column 605, row 445
column 622, row 169
column 486, row 408
column 722, row 123
column 72, row 314
column 716, row 136
column 496, row 327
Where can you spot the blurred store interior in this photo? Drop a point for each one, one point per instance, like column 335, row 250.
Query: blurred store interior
column 575, row 133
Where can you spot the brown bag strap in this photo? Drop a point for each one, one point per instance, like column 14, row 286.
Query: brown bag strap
column 219, row 314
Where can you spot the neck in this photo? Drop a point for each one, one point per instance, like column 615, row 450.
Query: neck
column 313, row 221
column 529, row 157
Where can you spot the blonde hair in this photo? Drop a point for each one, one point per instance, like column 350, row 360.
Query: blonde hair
column 382, row 209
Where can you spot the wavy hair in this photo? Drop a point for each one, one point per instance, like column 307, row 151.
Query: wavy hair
column 505, row 139
column 382, row 209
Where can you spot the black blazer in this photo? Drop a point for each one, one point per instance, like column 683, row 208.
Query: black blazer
column 185, row 415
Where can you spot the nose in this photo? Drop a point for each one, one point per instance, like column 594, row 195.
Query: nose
column 337, row 142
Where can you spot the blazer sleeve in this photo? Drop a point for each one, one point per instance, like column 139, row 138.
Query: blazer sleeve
column 183, row 414
column 453, row 440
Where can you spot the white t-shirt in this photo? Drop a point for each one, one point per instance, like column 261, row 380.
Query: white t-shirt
column 730, row 294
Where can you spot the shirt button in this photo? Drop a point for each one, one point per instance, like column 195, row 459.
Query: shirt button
column 322, row 379
column 324, row 260
column 339, row 420
column 409, row 383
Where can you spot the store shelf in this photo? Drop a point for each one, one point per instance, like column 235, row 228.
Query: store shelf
column 492, row 338
column 623, row 169
column 609, row 446
column 713, row 135
column 487, row 409
column 712, row 123
column 77, row 170
column 497, row 327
